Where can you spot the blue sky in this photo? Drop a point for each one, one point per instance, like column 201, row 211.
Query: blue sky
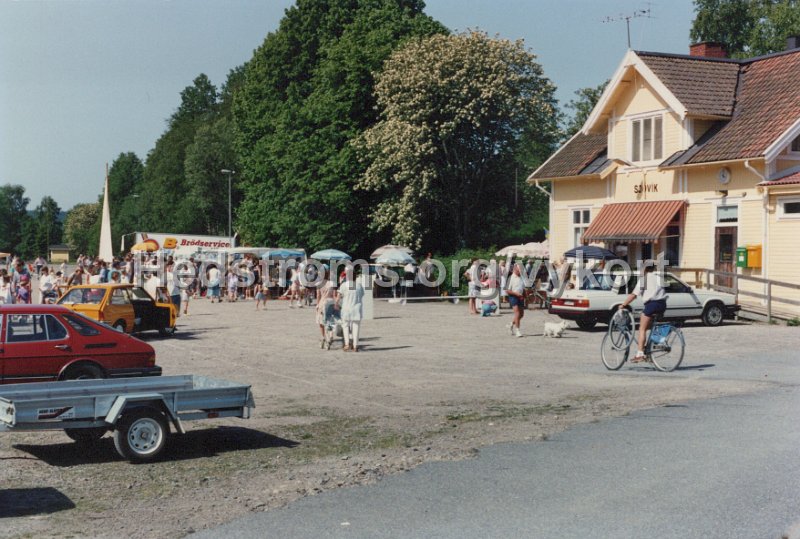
column 83, row 81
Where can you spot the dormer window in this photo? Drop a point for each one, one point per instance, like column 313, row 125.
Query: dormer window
column 647, row 136
column 795, row 147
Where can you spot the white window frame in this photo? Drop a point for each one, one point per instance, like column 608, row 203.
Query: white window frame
column 641, row 118
column 582, row 226
column 790, row 148
column 782, row 215
column 717, row 222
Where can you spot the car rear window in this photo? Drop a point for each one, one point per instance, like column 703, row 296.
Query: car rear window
column 82, row 325
column 83, row 295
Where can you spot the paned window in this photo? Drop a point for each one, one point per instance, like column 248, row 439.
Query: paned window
column 580, row 223
column 647, row 139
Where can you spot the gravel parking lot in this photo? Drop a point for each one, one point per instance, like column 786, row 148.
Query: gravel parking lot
column 431, row 383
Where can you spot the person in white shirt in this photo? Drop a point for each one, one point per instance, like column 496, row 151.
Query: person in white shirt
column 173, row 288
column 352, row 297
column 151, row 285
column 48, row 286
column 516, row 298
column 651, row 289
column 214, row 282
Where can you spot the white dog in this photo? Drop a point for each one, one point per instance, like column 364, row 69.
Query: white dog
column 553, row 329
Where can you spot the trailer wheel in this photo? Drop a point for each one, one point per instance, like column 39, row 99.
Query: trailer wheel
column 141, row 434
column 86, row 436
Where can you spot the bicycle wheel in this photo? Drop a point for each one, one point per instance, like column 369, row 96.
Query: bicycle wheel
column 667, row 355
column 613, row 356
column 621, row 329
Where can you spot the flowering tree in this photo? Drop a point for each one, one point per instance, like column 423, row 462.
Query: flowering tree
column 456, row 112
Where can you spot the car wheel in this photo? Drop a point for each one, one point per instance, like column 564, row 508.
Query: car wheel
column 166, row 332
column 586, row 325
column 83, row 372
column 713, row 314
column 119, row 325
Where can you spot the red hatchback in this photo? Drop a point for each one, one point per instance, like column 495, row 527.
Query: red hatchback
column 49, row 342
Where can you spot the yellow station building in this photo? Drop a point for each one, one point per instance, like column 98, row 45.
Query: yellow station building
column 693, row 156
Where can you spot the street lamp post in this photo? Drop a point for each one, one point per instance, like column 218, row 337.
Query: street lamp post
column 230, row 173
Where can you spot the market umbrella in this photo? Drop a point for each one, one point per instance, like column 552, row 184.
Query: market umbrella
column 395, row 257
column 330, row 254
column 147, row 246
column 5, row 255
column 590, row 252
column 527, row 250
column 390, row 247
column 537, row 249
column 283, row 253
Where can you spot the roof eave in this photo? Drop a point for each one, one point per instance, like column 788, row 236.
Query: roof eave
column 631, row 59
column 710, row 163
column 774, row 149
column 595, row 176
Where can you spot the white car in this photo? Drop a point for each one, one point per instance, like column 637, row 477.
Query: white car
column 597, row 302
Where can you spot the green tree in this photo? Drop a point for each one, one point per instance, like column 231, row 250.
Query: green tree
column 125, row 187
column 729, row 22
column 81, row 227
column 13, row 216
column 207, row 197
column 307, row 95
column 164, row 201
column 746, row 27
column 455, row 112
column 581, row 107
column 42, row 229
column 774, row 22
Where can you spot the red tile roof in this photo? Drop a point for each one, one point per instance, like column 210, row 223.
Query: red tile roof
column 705, row 87
column 790, row 179
column 768, row 104
column 632, row 221
column 578, row 153
column 760, row 95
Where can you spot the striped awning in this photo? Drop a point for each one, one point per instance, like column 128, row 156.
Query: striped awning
column 632, row 221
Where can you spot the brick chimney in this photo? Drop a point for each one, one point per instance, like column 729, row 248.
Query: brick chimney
column 708, row 49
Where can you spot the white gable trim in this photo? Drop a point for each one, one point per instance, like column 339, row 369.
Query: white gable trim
column 783, row 141
column 631, row 59
column 531, row 178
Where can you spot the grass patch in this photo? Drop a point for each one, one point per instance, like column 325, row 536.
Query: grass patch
column 503, row 411
column 793, row 322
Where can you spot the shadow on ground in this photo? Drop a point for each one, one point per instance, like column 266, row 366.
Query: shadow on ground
column 24, row 502
column 195, row 444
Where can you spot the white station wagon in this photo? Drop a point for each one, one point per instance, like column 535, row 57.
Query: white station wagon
column 597, row 302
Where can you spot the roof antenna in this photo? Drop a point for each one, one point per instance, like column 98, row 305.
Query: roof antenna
column 639, row 13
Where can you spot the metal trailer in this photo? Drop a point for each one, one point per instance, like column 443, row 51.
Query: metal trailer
column 138, row 410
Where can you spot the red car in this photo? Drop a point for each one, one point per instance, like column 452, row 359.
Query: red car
column 48, row 342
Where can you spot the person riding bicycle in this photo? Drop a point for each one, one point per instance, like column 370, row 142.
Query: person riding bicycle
column 651, row 289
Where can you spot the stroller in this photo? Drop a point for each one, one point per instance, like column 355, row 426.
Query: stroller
column 332, row 322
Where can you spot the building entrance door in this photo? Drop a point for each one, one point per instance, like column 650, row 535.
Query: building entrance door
column 724, row 254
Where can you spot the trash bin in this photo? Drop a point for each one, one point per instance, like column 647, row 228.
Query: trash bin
column 741, row 257
column 753, row 258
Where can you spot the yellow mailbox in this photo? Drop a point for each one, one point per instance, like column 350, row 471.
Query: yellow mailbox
column 754, row 256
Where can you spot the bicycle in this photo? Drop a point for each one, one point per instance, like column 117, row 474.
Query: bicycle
column 664, row 346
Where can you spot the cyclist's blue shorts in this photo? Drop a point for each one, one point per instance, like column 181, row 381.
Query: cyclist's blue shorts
column 655, row 306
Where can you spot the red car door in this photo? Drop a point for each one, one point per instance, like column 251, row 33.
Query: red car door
column 35, row 348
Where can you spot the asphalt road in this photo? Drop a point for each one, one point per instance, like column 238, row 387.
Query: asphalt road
column 724, row 468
